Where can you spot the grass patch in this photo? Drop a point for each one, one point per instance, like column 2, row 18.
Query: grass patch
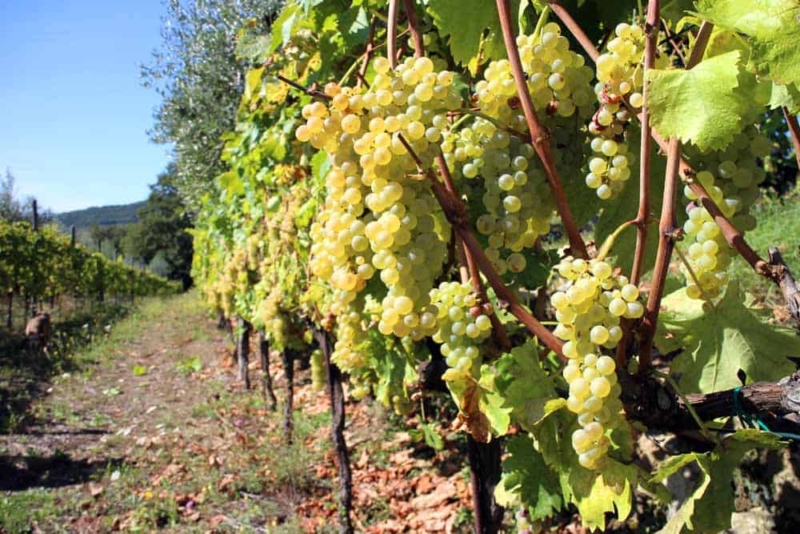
column 778, row 226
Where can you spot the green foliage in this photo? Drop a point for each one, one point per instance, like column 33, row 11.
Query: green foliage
column 724, row 338
column 162, row 230
column 771, row 28
column 200, row 80
column 704, row 105
column 708, row 507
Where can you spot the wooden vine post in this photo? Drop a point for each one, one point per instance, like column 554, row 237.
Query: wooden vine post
column 266, row 377
column 243, row 331
column 336, row 396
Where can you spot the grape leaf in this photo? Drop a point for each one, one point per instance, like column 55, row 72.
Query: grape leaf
column 523, row 384
column 595, row 493
column 527, row 480
column 598, row 493
column 720, row 340
column 787, row 96
column 709, row 507
column 701, row 105
column 773, row 29
column 472, row 28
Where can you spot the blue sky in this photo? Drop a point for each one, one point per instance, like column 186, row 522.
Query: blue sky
column 73, row 114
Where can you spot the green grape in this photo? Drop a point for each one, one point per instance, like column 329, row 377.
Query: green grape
column 588, row 307
column 731, row 178
column 619, row 74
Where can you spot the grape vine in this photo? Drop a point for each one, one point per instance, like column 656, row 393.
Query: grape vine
column 409, row 202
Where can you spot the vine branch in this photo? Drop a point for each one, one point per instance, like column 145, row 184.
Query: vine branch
column 651, row 30
column 456, row 213
column 362, row 71
column 310, row 92
column 540, row 138
column 413, row 27
column 666, row 243
column 794, row 132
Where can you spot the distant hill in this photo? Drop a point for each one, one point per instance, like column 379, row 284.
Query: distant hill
column 102, row 216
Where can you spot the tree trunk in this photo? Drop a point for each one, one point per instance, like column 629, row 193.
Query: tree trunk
column 288, row 416
column 266, row 377
column 485, row 469
column 336, row 394
column 243, row 350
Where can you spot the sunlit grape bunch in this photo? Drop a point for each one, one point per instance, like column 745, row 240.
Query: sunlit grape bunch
column 558, row 79
column 589, row 307
column 731, row 178
column 462, row 326
column 517, row 200
column 379, row 219
column 620, row 75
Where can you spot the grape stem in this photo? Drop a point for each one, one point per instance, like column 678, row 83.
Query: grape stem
column 467, row 260
column 540, row 137
column 362, row 72
column 413, row 27
column 391, row 39
column 310, row 92
column 693, row 276
column 666, row 242
column 651, row 30
column 794, row 132
column 575, row 29
column 456, row 213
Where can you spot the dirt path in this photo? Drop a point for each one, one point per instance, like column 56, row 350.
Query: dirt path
column 157, row 434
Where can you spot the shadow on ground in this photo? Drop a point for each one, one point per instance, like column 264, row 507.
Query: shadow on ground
column 59, row 469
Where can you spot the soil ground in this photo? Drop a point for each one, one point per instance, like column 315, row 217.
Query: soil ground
column 148, row 429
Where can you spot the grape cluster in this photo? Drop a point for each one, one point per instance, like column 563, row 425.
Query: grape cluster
column 379, row 218
column 588, row 309
column 319, row 376
column 558, row 80
column 515, row 195
column 619, row 75
column 731, row 178
column 488, row 151
column 462, row 326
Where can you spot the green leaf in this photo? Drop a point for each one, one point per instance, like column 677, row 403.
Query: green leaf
column 527, row 480
column 284, row 26
column 139, row 370
column 523, row 384
column 231, row 183
column 773, row 29
column 723, row 339
column 709, row 507
column 432, row 437
column 787, row 96
column 703, row 105
column 595, row 493
column 472, row 28
column 492, row 404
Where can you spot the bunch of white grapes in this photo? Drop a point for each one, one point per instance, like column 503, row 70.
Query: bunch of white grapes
column 557, row 78
column 589, row 307
column 379, row 218
column 620, row 76
column 731, row 178
column 463, row 325
column 517, row 200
